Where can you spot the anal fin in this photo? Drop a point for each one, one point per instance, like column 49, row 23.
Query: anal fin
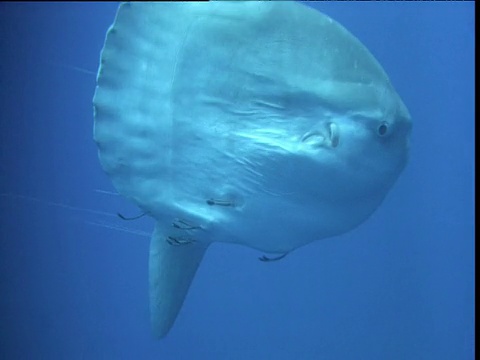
column 171, row 270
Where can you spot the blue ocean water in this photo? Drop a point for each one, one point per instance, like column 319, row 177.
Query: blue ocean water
column 401, row 286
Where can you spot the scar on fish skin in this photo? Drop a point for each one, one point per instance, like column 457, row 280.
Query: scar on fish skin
column 131, row 218
column 267, row 259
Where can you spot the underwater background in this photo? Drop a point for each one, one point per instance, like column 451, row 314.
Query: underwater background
column 74, row 277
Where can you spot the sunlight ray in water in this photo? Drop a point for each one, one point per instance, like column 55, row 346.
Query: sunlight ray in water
column 106, row 192
column 111, row 226
column 119, row 228
column 57, row 204
column 71, row 68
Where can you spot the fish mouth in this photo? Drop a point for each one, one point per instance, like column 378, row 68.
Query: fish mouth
column 326, row 137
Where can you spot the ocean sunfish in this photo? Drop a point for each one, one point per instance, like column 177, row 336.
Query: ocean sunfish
column 259, row 123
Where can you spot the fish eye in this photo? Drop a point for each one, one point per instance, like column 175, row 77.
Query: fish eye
column 382, row 129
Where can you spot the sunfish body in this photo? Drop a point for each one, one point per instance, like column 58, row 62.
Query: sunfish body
column 265, row 124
